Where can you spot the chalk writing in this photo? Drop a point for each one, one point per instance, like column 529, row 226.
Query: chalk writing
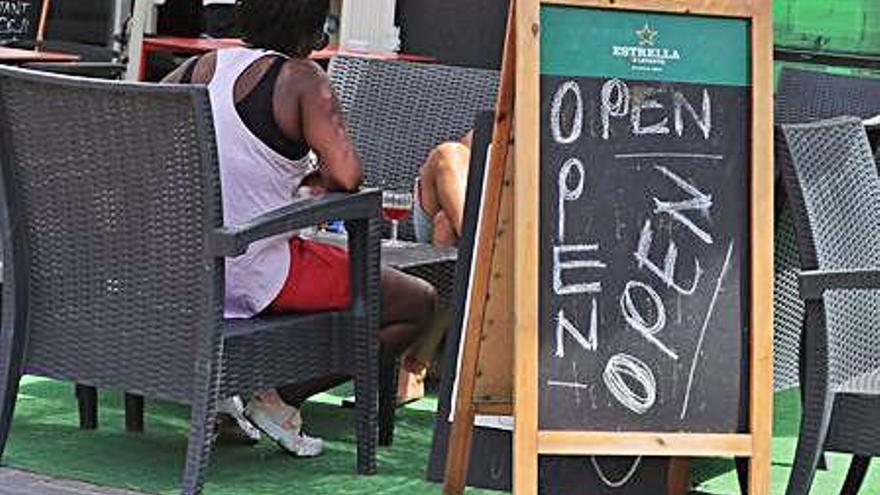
column 622, row 365
column 623, row 480
column 699, row 201
column 556, row 113
column 15, row 18
column 618, row 100
column 667, row 274
column 635, row 219
column 589, row 343
column 690, row 383
column 635, row 320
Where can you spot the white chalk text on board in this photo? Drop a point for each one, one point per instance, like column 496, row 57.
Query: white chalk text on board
column 643, row 222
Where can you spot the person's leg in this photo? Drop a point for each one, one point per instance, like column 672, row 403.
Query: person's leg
column 407, row 310
column 443, row 182
column 444, row 233
column 319, row 281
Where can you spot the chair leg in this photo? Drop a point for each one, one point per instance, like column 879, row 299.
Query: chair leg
column 134, row 413
column 11, row 358
column 814, row 428
column 858, row 468
column 87, row 400
column 387, row 400
column 367, row 426
column 201, row 434
column 802, row 376
column 742, row 474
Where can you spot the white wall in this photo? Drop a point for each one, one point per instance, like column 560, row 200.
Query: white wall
column 368, row 25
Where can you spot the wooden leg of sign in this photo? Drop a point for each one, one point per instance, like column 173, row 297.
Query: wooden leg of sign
column 459, row 450
column 761, row 392
column 679, row 476
column 526, row 185
column 461, row 435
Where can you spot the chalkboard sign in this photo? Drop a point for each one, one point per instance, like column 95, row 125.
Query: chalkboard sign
column 19, row 19
column 644, row 220
column 637, row 264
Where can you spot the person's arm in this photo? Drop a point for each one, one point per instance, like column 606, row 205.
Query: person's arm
column 323, row 127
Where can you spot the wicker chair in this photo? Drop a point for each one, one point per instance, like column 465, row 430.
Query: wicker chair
column 112, row 231
column 805, row 96
column 834, row 193
column 398, row 112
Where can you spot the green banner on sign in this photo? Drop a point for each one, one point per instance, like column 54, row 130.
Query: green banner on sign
column 591, row 42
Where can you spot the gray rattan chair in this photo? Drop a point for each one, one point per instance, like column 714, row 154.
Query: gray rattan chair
column 114, row 245
column 397, row 112
column 834, row 193
column 805, row 96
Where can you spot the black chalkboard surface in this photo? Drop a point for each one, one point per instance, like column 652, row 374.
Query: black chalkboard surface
column 644, row 222
column 19, row 19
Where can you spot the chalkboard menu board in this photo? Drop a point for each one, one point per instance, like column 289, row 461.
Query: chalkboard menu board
column 644, row 233
column 18, row 19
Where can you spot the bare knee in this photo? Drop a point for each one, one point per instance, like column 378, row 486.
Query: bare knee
column 406, row 298
column 451, row 158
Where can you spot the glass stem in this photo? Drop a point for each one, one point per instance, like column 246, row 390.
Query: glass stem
column 394, row 230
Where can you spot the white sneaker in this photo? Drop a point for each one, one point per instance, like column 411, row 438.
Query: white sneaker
column 234, row 407
column 283, row 423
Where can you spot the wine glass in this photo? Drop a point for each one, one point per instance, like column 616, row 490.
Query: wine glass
column 396, row 206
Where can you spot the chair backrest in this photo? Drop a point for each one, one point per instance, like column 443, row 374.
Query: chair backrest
column 807, row 96
column 82, row 21
column 834, row 193
column 110, row 192
column 398, row 112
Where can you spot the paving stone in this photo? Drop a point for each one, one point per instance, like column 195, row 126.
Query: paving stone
column 15, row 482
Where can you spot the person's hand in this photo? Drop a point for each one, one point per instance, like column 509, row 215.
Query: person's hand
column 312, row 185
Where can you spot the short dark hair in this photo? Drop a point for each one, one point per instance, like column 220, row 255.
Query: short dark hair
column 292, row 27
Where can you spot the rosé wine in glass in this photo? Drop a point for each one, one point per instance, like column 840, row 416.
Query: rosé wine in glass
column 396, row 206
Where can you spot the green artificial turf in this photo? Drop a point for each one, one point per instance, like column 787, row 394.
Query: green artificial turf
column 46, row 439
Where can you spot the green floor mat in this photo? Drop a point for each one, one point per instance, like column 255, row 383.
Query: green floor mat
column 46, row 439
column 718, row 476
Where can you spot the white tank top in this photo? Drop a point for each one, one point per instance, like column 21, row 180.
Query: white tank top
column 254, row 179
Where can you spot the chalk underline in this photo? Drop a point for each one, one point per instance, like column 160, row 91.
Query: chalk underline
column 701, row 156
column 556, row 383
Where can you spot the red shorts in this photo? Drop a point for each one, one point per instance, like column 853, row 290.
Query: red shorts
column 318, row 279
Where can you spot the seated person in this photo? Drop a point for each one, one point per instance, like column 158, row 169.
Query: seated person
column 277, row 120
column 440, row 192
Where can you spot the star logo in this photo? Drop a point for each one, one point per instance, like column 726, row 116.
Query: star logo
column 646, row 35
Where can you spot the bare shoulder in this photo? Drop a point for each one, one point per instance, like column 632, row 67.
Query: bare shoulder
column 303, row 77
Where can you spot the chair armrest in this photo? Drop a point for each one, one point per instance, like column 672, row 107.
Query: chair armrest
column 813, row 283
column 234, row 241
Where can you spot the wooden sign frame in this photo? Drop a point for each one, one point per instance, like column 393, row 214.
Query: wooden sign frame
column 529, row 441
